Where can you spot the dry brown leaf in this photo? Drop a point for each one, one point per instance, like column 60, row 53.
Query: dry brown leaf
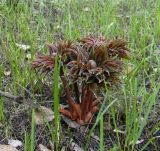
column 43, row 148
column 7, row 72
column 7, row 148
column 70, row 123
column 43, row 114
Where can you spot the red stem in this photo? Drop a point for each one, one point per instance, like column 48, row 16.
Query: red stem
column 70, row 100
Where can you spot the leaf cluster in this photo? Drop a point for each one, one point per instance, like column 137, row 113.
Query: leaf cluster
column 88, row 63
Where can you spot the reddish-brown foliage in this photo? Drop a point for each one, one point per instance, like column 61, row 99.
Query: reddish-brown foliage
column 89, row 63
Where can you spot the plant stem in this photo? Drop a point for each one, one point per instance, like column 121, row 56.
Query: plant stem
column 70, row 100
column 76, row 90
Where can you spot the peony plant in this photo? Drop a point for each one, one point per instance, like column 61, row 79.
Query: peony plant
column 84, row 67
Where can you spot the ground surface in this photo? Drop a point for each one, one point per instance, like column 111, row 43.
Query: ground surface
column 135, row 114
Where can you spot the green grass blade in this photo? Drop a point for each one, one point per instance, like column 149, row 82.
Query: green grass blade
column 56, row 102
column 151, row 101
column 33, row 131
column 101, row 134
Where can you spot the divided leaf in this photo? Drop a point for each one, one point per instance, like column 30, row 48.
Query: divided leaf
column 86, row 64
